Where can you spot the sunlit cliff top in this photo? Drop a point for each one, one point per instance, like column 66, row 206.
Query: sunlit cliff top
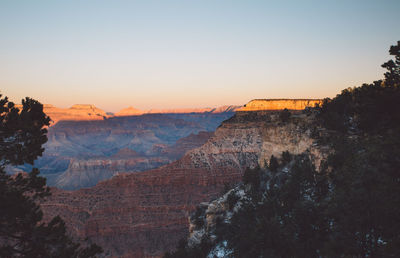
column 279, row 104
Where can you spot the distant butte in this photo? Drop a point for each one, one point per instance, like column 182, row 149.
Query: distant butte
column 130, row 111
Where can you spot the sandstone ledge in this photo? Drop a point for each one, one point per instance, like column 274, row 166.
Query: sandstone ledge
column 279, row 104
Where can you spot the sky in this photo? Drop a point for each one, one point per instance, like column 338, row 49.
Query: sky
column 180, row 54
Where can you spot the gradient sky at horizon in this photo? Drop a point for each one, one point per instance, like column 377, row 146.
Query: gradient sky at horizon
column 176, row 54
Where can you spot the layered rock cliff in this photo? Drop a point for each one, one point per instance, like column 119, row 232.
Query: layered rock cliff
column 279, row 104
column 145, row 214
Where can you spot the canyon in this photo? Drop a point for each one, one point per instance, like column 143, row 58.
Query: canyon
column 144, row 214
column 86, row 145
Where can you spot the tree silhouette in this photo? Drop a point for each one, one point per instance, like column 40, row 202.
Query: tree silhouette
column 284, row 115
column 351, row 207
column 22, row 231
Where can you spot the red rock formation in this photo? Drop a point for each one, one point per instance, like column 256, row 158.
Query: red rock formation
column 141, row 214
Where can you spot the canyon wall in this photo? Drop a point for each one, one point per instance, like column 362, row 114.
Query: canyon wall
column 145, row 214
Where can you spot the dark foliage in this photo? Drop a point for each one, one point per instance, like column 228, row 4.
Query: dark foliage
column 198, row 251
column 227, row 187
column 252, row 177
column 197, row 217
column 284, row 115
column 232, row 198
column 22, row 232
column 287, row 223
column 392, row 76
column 371, row 108
column 351, row 208
column 364, row 206
column 273, row 164
column 21, row 131
column 286, row 157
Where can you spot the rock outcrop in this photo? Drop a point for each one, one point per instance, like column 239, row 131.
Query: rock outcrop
column 279, row 104
column 145, row 214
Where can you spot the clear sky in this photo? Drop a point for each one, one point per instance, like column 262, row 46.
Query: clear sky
column 175, row 54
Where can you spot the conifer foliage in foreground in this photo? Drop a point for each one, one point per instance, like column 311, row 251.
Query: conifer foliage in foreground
column 22, row 231
column 350, row 208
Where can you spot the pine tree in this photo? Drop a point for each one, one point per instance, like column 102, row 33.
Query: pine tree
column 22, row 231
